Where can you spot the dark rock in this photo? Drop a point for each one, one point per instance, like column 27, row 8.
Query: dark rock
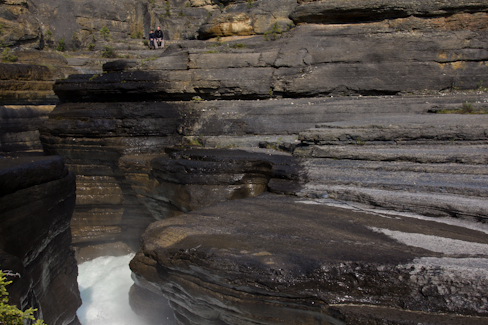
column 24, row 72
column 19, row 128
column 26, row 84
column 118, row 65
column 333, row 12
column 107, row 207
column 150, row 307
column 186, row 180
column 317, row 263
column 36, row 204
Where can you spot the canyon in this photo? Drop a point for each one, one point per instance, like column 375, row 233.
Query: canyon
column 278, row 162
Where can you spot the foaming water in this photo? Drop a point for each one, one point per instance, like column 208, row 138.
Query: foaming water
column 104, row 286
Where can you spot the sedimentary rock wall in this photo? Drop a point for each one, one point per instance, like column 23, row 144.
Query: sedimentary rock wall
column 367, row 78
column 37, row 198
column 26, row 98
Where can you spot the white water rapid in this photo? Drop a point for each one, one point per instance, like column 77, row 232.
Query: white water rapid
column 104, row 286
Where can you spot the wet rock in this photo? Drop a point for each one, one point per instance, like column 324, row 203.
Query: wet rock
column 37, row 200
column 303, row 260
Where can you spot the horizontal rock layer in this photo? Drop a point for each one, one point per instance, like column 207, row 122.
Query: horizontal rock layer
column 313, row 60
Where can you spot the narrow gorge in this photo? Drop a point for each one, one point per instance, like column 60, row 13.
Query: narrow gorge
column 279, row 162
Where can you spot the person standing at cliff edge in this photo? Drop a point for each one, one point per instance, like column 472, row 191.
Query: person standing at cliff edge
column 159, row 37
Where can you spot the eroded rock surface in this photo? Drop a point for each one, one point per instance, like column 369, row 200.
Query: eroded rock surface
column 37, row 199
column 294, row 88
column 273, row 259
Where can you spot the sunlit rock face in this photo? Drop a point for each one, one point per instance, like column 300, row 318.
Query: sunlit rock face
column 276, row 260
column 37, row 199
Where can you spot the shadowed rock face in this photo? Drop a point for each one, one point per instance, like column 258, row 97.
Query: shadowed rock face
column 37, row 198
column 272, row 259
column 187, row 180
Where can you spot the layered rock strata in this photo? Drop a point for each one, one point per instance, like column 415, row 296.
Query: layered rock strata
column 431, row 164
column 37, row 198
column 187, row 180
column 277, row 260
column 112, row 129
column 313, row 60
column 26, row 98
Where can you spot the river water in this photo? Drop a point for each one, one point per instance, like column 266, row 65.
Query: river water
column 104, row 286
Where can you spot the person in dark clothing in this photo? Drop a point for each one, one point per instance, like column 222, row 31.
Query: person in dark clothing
column 152, row 40
column 159, row 37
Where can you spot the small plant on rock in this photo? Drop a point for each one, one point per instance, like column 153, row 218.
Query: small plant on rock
column 167, row 8
column 105, row 33
column 7, row 55
column 467, row 108
column 238, row 46
column 274, row 32
column 75, row 41
column 61, row 47
column 108, row 52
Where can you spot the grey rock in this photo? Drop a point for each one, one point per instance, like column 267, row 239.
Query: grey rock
column 464, row 154
column 225, row 261
column 401, row 129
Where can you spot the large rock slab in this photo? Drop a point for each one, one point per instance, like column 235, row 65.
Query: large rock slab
column 364, row 10
column 272, row 259
column 431, row 128
column 37, row 199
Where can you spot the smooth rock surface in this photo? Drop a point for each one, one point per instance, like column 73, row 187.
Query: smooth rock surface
column 272, row 259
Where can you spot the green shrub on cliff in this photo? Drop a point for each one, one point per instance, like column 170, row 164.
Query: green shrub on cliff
column 108, row 52
column 7, row 55
column 9, row 314
column 105, row 33
column 61, row 45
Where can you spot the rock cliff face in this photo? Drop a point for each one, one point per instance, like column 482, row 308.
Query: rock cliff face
column 37, row 198
column 350, row 92
column 26, row 98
